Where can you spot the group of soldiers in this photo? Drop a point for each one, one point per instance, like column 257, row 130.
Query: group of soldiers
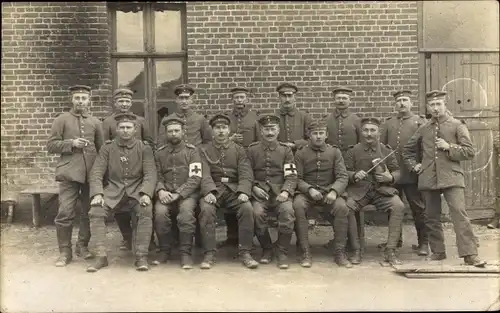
column 249, row 166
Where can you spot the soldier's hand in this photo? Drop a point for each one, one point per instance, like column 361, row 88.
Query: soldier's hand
column 442, row 144
column 175, row 196
column 80, row 142
column 331, row 197
column 144, row 200
column 210, row 198
column 97, row 200
column 243, row 198
column 260, row 193
column 283, row 196
column 418, row 168
column 315, row 194
column 359, row 175
column 384, row 177
column 165, row 196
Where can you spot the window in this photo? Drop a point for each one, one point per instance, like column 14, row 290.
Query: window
column 149, row 54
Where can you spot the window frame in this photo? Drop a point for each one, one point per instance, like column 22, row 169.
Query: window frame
column 148, row 55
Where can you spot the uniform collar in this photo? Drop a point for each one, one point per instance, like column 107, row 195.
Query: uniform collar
column 344, row 113
column 405, row 117
column 367, row 147
column 84, row 114
column 269, row 146
column 222, row 146
column 186, row 114
column 321, row 148
column 129, row 144
column 240, row 113
column 290, row 112
column 174, row 148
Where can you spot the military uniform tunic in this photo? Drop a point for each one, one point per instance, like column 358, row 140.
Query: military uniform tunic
column 109, row 128
column 294, row 125
column 244, row 122
column 344, row 129
column 197, row 130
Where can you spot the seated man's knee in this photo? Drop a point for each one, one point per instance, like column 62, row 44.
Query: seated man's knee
column 144, row 211
column 161, row 211
column 258, row 210
column 300, row 205
column 340, row 208
column 207, row 212
column 245, row 209
column 397, row 205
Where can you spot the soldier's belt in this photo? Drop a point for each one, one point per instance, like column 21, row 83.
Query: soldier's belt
column 225, row 180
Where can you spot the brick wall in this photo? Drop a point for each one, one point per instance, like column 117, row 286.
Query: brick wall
column 46, row 47
column 369, row 46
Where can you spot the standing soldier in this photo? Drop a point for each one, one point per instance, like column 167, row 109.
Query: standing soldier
column 275, row 179
column 179, row 175
column 293, row 122
column 344, row 131
column 77, row 137
column 444, row 142
column 130, row 166
column 244, row 131
column 322, row 179
column 396, row 132
column 226, row 184
column 375, row 185
column 122, row 98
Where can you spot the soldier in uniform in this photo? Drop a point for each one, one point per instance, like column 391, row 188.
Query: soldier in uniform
column 293, row 122
column 495, row 221
column 130, row 166
column 177, row 189
column 344, row 130
column 322, row 180
column 244, row 131
column 226, row 183
column 275, row 179
column 376, row 186
column 395, row 132
column 122, row 98
column 77, row 137
column 444, row 142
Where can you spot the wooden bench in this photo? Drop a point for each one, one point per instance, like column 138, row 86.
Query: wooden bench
column 36, row 202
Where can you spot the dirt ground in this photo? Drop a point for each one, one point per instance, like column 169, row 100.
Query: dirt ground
column 31, row 283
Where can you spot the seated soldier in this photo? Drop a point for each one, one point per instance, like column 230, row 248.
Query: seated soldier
column 275, row 179
column 179, row 174
column 370, row 184
column 130, row 168
column 322, row 179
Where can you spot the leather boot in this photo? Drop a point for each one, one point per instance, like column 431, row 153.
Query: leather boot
column 474, row 260
column 306, row 259
column 83, row 252
column 126, row 245
column 283, row 244
column 341, row 259
column 495, row 222
column 161, row 258
column 64, row 242
column 267, row 248
column 438, row 256
column 356, row 257
column 141, row 264
column 248, row 261
column 208, row 261
column 391, row 257
column 100, row 262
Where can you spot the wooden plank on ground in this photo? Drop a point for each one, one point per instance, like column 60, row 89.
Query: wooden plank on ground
column 446, row 268
column 452, row 275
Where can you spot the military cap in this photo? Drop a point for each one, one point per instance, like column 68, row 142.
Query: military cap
column 286, row 88
column 370, row 120
column 79, row 88
column 435, row 94
column 319, row 124
column 239, row 89
column 269, row 120
column 123, row 93
column 183, row 88
column 342, row 90
column 172, row 119
column 219, row 118
column 125, row 117
column 401, row 93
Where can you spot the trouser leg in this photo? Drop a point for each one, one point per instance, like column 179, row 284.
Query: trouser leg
column 187, row 224
column 84, row 230
column 207, row 218
column 432, row 200
column 97, row 216
column 68, row 195
column 339, row 211
column 163, row 225
column 415, row 200
column 261, row 224
column 144, row 228
column 395, row 207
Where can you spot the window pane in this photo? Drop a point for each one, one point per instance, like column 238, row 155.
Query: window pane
column 168, row 31
column 131, row 75
column 129, row 31
column 168, row 75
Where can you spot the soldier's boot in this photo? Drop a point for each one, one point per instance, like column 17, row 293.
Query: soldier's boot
column 123, row 221
column 100, row 262
column 247, row 260
column 267, row 248
column 423, row 244
column 438, row 256
column 161, row 258
column 141, row 264
column 474, row 260
column 64, row 241
column 126, row 245
column 391, row 257
column 495, row 222
column 185, row 247
column 400, row 244
column 341, row 259
column 83, row 252
column 152, row 243
column 283, row 244
column 208, row 261
column 306, row 258
column 356, row 257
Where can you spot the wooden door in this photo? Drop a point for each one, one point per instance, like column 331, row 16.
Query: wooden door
column 471, row 80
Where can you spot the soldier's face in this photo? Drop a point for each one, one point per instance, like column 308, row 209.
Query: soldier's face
column 81, row 101
column 318, row 137
column 287, row 100
column 240, row 100
column 437, row 107
column 123, row 105
column 184, row 101
column 270, row 133
column 370, row 132
column 221, row 132
column 175, row 133
column 126, row 130
column 342, row 100
column 403, row 104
